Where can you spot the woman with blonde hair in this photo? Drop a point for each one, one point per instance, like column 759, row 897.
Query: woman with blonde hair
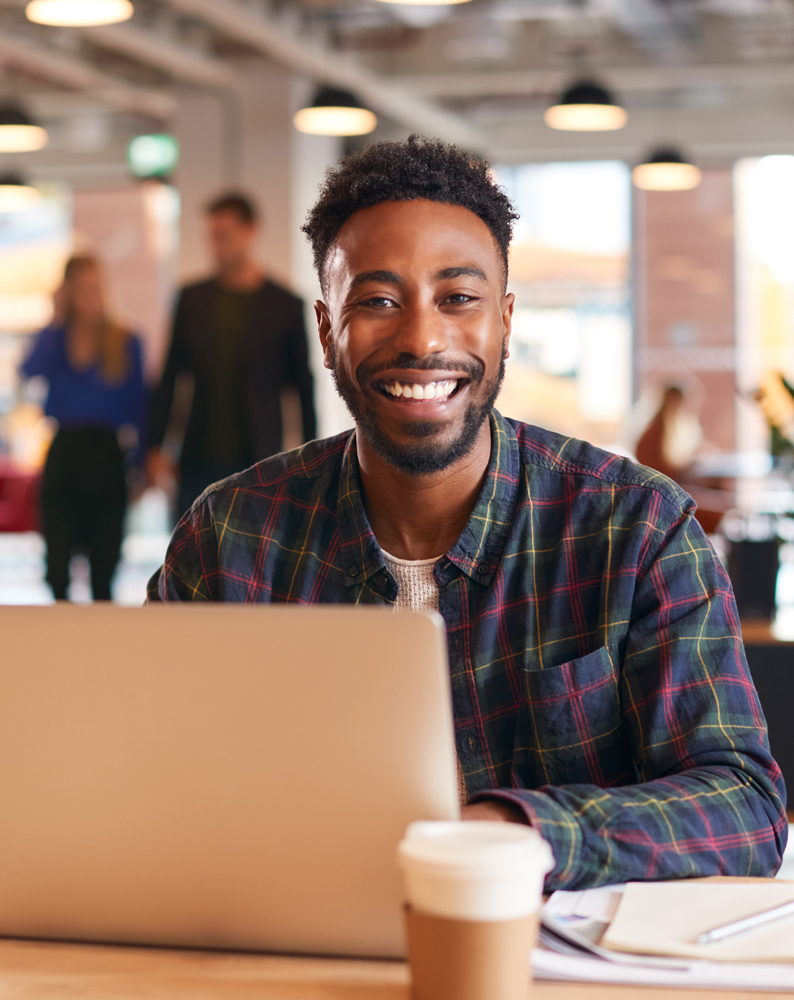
column 97, row 396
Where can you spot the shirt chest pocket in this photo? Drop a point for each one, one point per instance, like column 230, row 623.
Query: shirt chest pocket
column 569, row 730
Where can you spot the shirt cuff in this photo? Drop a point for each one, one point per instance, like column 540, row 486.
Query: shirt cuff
column 521, row 806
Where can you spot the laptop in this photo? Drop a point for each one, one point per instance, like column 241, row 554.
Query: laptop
column 220, row 776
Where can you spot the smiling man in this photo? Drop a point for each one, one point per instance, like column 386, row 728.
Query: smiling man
column 599, row 684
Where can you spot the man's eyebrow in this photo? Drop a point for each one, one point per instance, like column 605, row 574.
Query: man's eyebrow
column 387, row 276
column 461, row 272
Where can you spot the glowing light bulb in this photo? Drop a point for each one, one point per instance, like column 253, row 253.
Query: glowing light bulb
column 666, row 170
column 18, row 134
column 335, row 112
column 78, row 13
column 16, row 195
column 586, row 107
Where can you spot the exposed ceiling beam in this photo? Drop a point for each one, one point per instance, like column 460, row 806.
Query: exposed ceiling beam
column 651, row 22
column 76, row 74
column 703, row 153
column 494, row 83
column 178, row 60
column 284, row 45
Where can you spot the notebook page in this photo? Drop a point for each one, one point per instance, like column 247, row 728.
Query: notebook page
column 665, row 918
column 702, row 975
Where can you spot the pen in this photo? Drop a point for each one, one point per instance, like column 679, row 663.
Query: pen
column 746, row 923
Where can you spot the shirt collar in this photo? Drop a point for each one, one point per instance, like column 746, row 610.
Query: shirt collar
column 478, row 550
column 361, row 555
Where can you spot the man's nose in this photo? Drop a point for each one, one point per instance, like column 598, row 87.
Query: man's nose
column 421, row 331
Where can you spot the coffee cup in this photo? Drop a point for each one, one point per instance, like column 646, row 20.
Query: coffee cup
column 473, row 894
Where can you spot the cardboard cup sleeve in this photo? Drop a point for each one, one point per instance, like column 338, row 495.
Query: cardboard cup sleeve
column 469, row 959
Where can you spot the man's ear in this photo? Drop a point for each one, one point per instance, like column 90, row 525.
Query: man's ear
column 508, row 302
column 324, row 329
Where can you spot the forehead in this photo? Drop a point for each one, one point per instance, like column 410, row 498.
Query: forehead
column 410, row 236
column 227, row 219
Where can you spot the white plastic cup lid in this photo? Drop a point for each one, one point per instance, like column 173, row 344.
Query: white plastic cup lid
column 478, row 847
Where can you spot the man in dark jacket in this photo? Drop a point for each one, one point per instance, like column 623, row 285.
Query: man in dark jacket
column 242, row 338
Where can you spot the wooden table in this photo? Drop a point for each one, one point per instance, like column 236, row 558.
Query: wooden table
column 47, row 971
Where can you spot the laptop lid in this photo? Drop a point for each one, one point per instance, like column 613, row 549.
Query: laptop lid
column 220, row 776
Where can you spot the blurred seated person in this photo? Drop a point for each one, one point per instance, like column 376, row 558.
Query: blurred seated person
column 669, row 444
column 96, row 394
column 775, row 396
column 242, row 338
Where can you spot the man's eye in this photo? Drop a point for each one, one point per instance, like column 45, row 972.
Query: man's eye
column 379, row 302
column 459, row 298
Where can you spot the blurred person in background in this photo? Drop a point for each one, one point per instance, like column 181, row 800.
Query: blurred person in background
column 671, row 440
column 97, row 395
column 670, row 444
column 242, row 338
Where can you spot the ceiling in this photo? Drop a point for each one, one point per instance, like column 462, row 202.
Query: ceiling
column 714, row 75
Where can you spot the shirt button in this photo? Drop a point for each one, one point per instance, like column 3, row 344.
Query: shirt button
column 380, row 581
column 352, row 570
column 483, row 569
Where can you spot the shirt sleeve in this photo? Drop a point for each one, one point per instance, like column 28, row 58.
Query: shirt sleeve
column 177, row 361
column 709, row 799
column 136, row 397
column 189, row 565
column 43, row 358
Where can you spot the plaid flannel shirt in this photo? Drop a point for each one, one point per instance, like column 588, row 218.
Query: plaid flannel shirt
column 598, row 675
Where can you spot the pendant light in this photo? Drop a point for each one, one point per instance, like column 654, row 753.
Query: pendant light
column 18, row 134
column 78, row 13
column 666, row 170
column 16, row 195
column 426, row 3
column 586, row 107
column 335, row 112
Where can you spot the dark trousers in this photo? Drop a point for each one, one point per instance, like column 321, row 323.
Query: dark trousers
column 83, row 502
column 195, row 478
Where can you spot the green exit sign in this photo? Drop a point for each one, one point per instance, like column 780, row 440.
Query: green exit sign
column 153, row 155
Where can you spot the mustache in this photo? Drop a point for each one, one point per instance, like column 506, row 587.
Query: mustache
column 473, row 369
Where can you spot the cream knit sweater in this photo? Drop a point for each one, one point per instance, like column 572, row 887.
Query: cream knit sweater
column 418, row 592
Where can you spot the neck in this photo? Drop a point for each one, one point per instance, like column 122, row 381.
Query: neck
column 419, row 517
column 241, row 276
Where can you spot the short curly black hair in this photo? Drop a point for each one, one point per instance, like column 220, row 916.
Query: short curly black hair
column 401, row 171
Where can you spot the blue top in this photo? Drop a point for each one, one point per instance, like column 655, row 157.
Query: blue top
column 85, row 398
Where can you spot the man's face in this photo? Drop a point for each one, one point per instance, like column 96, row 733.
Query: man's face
column 231, row 239
column 416, row 328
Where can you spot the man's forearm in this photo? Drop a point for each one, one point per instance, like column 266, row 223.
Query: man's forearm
column 706, row 821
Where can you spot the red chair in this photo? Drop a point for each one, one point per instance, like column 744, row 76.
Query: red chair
column 19, row 498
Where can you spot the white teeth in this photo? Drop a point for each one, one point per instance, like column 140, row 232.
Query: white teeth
column 428, row 390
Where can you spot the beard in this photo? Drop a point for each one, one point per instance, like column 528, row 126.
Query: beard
column 426, row 453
